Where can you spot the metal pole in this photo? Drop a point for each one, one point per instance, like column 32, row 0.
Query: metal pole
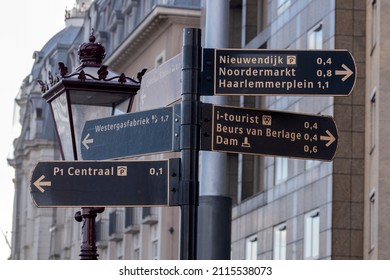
column 215, row 203
column 189, row 142
column 87, row 215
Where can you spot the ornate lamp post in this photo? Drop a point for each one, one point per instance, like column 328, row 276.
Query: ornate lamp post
column 92, row 91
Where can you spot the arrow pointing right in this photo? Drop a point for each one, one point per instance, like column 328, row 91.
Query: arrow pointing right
column 330, row 138
column 346, row 72
column 87, row 141
column 39, row 184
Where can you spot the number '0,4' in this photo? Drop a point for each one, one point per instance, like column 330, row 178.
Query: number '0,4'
column 307, row 125
column 321, row 61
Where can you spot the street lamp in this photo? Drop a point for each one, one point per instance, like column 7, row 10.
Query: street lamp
column 92, row 91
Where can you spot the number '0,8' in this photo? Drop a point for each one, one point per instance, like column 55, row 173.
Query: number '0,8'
column 327, row 73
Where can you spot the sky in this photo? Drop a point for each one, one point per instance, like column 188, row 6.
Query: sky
column 26, row 26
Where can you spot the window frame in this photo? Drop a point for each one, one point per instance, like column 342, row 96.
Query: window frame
column 279, row 248
column 373, row 231
column 281, row 169
column 373, row 112
column 251, row 250
column 316, row 35
column 312, row 235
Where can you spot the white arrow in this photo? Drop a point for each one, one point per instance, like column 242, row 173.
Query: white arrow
column 330, row 138
column 87, row 141
column 346, row 72
column 39, row 184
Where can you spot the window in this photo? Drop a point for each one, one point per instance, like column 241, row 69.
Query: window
column 136, row 247
column 76, row 227
column 312, row 235
column 250, row 174
column 374, row 23
column 132, row 217
column 373, row 120
column 262, row 12
column 311, row 163
column 372, row 220
column 280, row 242
column 251, row 248
column 154, row 241
column 160, row 59
column 250, row 169
column 155, row 250
column 98, row 229
column 137, row 254
column 281, row 169
column 38, row 113
column 119, row 250
column 283, row 5
column 112, row 223
column 315, row 38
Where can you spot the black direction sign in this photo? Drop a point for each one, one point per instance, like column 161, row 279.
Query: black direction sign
column 277, row 72
column 275, row 133
column 104, row 183
column 131, row 134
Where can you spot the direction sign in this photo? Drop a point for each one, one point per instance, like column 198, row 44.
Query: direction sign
column 165, row 78
column 104, row 183
column 251, row 131
column 277, row 72
column 132, row 134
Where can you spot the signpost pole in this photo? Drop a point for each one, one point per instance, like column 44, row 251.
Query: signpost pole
column 87, row 215
column 215, row 203
column 189, row 142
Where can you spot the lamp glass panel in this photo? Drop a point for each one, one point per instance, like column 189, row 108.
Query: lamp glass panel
column 60, row 111
column 83, row 113
column 123, row 107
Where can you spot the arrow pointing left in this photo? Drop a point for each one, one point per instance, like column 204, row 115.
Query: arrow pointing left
column 39, row 184
column 87, row 141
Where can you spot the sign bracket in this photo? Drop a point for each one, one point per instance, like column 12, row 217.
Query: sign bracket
column 206, row 126
column 174, row 182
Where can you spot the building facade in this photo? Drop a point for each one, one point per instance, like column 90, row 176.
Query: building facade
column 136, row 35
column 304, row 209
column 376, row 195
column 283, row 208
column 33, row 227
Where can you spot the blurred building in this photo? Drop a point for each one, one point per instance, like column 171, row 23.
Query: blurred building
column 303, row 209
column 376, row 164
column 282, row 208
column 136, row 35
